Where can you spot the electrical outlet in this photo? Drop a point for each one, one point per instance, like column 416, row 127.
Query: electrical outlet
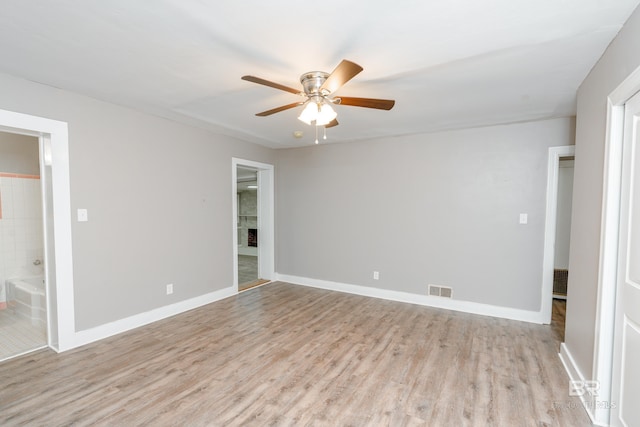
column 169, row 288
column 376, row 275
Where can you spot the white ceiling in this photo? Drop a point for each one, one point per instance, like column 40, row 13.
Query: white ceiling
column 453, row 64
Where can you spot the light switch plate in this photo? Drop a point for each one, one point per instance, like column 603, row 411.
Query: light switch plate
column 83, row 215
column 524, row 218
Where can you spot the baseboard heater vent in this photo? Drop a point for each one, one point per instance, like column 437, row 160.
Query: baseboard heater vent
column 440, row 291
column 560, row 279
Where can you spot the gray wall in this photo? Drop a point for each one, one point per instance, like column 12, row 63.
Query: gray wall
column 436, row 208
column 159, row 200
column 620, row 59
column 19, row 154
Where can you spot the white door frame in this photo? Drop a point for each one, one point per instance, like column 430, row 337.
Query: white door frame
column 553, row 169
column 610, row 224
column 266, row 218
column 54, row 141
column 625, row 317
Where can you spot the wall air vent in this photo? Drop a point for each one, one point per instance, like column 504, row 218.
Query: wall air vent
column 440, row 291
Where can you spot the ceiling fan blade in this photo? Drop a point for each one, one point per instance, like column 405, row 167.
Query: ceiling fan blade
column 344, row 72
column 260, row 81
column 332, row 123
column 380, row 104
column 278, row 109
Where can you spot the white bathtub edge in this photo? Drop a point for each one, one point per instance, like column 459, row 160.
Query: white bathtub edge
column 31, row 288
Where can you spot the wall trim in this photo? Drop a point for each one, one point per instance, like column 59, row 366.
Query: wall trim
column 123, row 325
column 576, row 375
column 411, row 298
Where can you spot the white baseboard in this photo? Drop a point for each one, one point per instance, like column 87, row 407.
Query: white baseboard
column 426, row 300
column 113, row 328
column 576, row 375
column 569, row 363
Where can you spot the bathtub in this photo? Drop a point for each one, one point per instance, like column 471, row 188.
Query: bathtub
column 26, row 296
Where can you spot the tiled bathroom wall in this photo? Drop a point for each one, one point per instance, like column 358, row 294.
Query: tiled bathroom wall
column 21, row 233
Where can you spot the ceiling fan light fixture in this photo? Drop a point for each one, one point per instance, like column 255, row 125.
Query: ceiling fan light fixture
column 325, row 115
column 309, row 113
column 319, row 112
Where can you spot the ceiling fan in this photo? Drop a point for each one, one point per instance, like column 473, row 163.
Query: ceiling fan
column 318, row 90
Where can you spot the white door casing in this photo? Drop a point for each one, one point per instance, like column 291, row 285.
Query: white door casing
column 626, row 357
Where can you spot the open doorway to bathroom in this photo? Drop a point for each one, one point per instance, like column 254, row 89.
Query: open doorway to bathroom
column 23, row 300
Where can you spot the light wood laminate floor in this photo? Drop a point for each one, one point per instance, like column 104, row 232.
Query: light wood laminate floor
column 247, row 269
column 290, row 355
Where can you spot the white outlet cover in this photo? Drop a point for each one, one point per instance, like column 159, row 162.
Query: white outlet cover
column 524, row 218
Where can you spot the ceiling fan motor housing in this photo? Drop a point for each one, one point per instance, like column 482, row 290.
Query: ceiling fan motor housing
column 313, row 81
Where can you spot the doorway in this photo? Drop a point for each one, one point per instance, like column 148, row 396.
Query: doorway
column 563, row 228
column 23, row 300
column 557, row 224
column 55, row 183
column 605, row 367
column 247, row 218
column 626, row 353
column 252, row 224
